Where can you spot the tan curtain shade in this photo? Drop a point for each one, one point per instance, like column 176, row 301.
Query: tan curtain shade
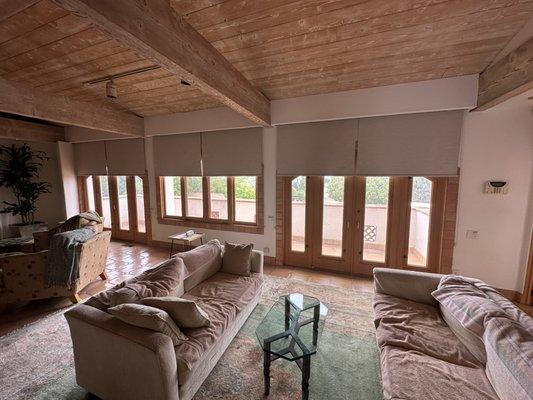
column 317, row 148
column 90, row 158
column 177, row 155
column 425, row 144
column 125, row 157
column 235, row 152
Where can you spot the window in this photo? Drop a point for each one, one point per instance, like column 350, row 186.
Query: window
column 332, row 216
column 298, row 206
column 106, row 203
column 419, row 221
column 172, row 188
column 232, row 203
column 123, row 207
column 90, row 194
column 195, row 203
column 218, row 197
column 246, row 199
column 376, row 218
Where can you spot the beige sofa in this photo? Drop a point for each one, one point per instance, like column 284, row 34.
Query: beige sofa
column 22, row 275
column 470, row 344
column 115, row 360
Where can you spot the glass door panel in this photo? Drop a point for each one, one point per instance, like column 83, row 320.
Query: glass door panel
column 90, row 194
column 123, row 204
column 106, row 201
column 139, row 200
column 419, row 221
column 298, row 213
column 332, row 216
column 376, row 213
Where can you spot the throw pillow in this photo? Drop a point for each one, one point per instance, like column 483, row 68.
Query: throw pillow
column 123, row 295
column 149, row 318
column 185, row 313
column 237, row 259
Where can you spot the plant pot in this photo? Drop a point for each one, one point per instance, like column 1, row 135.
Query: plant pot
column 26, row 231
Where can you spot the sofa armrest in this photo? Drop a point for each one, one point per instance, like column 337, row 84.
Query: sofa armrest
column 410, row 285
column 115, row 360
column 257, row 261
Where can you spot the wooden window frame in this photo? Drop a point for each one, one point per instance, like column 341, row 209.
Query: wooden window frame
column 229, row 224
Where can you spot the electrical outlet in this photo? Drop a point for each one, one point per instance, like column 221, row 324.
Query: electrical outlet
column 471, row 234
column 266, row 250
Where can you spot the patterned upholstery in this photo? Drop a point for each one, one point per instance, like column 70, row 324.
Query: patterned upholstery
column 22, row 276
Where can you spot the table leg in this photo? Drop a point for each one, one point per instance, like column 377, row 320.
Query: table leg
column 306, row 373
column 171, row 248
column 316, row 319
column 287, row 313
column 266, row 370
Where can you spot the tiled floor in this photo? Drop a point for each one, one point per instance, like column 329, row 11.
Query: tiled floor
column 125, row 260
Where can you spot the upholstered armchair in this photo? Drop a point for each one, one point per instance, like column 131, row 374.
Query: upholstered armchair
column 22, row 275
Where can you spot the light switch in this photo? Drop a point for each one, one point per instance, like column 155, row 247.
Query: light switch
column 471, row 234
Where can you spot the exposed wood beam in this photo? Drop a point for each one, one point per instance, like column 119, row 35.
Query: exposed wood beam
column 509, row 77
column 19, row 99
column 22, row 130
column 12, row 7
column 154, row 30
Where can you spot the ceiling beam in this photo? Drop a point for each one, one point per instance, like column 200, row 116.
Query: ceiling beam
column 509, row 77
column 16, row 98
column 12, row 7
column 30, row 131
column 155, row 31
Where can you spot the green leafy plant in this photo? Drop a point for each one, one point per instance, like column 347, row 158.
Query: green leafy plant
column 19, row 171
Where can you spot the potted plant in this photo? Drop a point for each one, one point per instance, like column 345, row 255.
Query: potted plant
column 19, row 171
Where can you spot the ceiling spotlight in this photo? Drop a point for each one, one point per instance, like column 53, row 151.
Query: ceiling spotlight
column 185, row 83
column 111, row 90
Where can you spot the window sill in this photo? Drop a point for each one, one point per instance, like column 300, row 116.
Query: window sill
column 214, row 225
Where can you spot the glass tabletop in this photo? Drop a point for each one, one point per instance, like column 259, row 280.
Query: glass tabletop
column 293, row 327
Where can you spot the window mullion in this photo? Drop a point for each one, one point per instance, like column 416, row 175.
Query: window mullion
column 206, row 198
column 184, row 210
column 231, row 199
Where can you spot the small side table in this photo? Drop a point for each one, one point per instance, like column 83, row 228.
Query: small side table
column 185, row 240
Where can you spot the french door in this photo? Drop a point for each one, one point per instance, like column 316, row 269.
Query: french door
column 122, row 201
column 353, row 224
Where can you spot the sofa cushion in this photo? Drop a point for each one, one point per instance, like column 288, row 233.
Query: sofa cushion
column 411, row 375
column 201, row 263
column 221, row 313
column 165, row 279
column 237, row 289
column 509, row 348
column 236, row 259
column 467, row 305
column 418, row 327
column 185, row 313
column 149, row 318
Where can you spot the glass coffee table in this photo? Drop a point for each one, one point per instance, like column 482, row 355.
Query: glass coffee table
column 291, row 330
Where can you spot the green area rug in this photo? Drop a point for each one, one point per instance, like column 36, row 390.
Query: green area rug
column 36, row 361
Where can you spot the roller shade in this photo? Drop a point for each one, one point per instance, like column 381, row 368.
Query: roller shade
column 425, row 144
column 90, row 158
column 177, row 155
column 235, row 152
column 317, row 148
column 125, row 157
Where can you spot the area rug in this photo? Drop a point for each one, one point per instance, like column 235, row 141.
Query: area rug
column 36, row 361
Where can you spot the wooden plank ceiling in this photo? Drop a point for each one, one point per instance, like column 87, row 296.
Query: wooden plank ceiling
column 285, row 48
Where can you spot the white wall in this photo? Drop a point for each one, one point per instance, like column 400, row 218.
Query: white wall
column 68, row 178
column 497, row 145
column 50, row 206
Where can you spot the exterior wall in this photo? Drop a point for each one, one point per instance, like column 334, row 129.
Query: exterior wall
column 497, row 145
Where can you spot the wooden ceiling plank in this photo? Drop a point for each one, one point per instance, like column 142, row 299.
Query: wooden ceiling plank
column 10, row 8
column 32, row 17
column 400, row 13
column 509, row 77
column 154, row 30
column 375, row 30
column 56, row 49
column 22, row 130
column 184, row 7
column 23, row 100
